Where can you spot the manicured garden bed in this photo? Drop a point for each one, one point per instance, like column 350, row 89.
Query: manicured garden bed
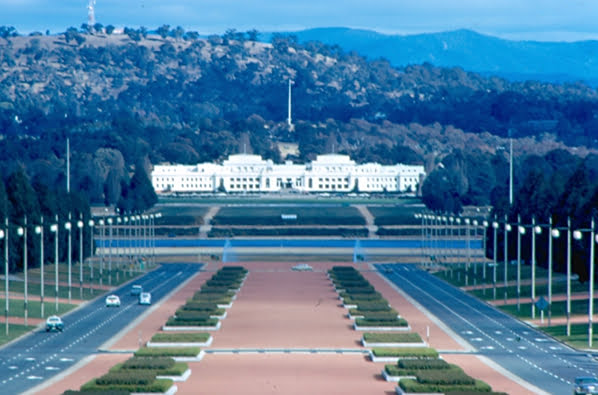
column 410, row 339
column 398, row 324
column 180, row 340
column 394, row 354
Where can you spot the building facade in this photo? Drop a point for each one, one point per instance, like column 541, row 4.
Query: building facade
column 244, row 173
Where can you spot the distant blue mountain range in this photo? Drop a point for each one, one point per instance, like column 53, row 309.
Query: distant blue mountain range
column 472, row 51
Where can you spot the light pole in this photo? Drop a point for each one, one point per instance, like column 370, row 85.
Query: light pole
column 495, row 264
column 485, row 246
column 80, row 226
column 67, row 227
column 553, row 233
column 101, row 224
column 91, row 224
column 474, row 223
column 536, row 230
column 507, row 230
column 54, row 229
column 22, row 231
column 118, row 251
column 109, row 220
column 4, row 235
column 577, row 234
column 40, row 231
column 452, row 249
column 467, row 252
column 520, row 232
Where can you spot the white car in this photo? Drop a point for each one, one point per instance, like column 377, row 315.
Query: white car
column 145, row 298
column 112, row 301
column 54, row 323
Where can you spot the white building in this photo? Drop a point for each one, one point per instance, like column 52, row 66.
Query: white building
column 251, row 173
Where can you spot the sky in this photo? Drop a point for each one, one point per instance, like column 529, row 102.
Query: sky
column 541, row 20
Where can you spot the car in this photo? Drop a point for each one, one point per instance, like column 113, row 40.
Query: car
column 136, row 290
column 112, row 301
column 145, row 298
column 54, row 323
column 586, row 385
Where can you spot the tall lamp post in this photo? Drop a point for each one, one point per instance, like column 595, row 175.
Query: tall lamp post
column 506, row 276
column 4, row 235
column 485, row 224
column 67, row 227
column 101, row 224
column 80, row 226
column 520, row 232
column 91, row 224
column 577, row 235
column 22, row 231
column 54, row 229
column 118, row 249
column 40, row 231
column 467, row 252
column 495, row 263
column 109, row 220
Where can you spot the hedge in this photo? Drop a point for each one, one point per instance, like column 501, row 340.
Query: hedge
column 210, row 308
column 400, row 322
column 366, row 312
column 409, row 385
column 218, row 232
column 156, row 363
column 210, row 298
column 158, row 385
column 406, row 352
column 381, row 305
column 191, row 315
column 363, row 297
column 177, row 369
column 180, row 337
column 452, row 376
column 392, row 337
column 380, row 316
column 127, row 378
column 167, row 352
column 207, row 322
column 423, row 363
column 106, row 392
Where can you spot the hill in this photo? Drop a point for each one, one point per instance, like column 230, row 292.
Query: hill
column 472, row 51
column 136, row 99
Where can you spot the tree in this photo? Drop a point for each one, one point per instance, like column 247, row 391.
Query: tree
column 140, row 195
column 163, row 31
column 109, row 29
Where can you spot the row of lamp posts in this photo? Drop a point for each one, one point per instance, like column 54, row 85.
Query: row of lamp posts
column 431, row 231
column 141, row 230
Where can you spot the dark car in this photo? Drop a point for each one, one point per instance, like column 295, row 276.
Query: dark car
column 586, row 385
column 54, row 323
column 136, row 290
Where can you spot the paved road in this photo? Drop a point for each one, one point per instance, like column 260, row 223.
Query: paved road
column 40, row 355
column 518, row 348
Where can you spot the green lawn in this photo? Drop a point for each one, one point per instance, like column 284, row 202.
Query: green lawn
column 264, row 215
column 578, row 307
column 395, row 215
column 579, row 335
column 14, row 331
column 17, row 309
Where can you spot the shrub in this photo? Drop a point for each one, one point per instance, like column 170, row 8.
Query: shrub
column 180, row 337
column 409, row 385
column 158, row 385
column 381, row 305
column 156, row 363
column 392, row 337
column 365, row 312
column 380, row 316
column 191, row 315
column 126, row 378
column 452, row 376
column 167, row 352
column 207, row 322
column 406, row 352
column 107, row 392
column 400, row 322
column 424, row 363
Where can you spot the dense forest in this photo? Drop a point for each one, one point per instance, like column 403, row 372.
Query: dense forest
column 131, row 99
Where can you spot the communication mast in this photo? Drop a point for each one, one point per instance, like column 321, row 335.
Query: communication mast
column 91, row 17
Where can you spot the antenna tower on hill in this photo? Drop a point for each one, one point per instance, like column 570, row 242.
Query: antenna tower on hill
column 91, row 17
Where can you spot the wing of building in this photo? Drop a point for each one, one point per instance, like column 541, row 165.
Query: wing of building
column 250, row 173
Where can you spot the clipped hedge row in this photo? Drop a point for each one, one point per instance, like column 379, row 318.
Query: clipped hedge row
column 380, row 306
column 177, row 369
column 399, row 322
column 424, row 363
column 158, row 385
column 369, row 297
column 191, row 315
column 411, row 337
column 452, row 376
column 167, row 352
column 358, row 311
column 380, row 316
column 409, row 385
column 180, row 337
column 406, row 352
column 156, row 363
column 207, row 322
column 217, row 232
column 106, row 392
column 120, row 377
